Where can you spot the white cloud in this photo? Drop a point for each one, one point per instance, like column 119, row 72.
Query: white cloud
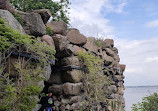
column 153, row 23
column 151, row 59
column 141, row 60
column 89, row 16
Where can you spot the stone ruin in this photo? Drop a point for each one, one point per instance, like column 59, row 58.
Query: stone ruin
column 65, row 77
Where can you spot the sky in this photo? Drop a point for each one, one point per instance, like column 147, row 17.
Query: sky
column 133, row 24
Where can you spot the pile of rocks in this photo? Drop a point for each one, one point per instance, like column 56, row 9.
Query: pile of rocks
column 65, row 78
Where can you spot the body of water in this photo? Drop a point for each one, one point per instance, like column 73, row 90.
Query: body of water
column 133, row 95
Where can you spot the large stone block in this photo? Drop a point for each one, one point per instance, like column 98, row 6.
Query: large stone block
column 11, row 21
column 56, row 89
column 75, row 37
column 78, row 50
column 108, row 60
column 109, row 52
column 32, row 23
column 48, row 40
column 63, row 48
column 115, row 50
column 90, row 45
column 108, row 43
column 122, row 67
column 76, row 106
column 66, row 52
column 73, row 60
column 72, row 88
column 60, row 42
column 73, row 76
column 58, row 27
column 4, row 4
column 45, row 14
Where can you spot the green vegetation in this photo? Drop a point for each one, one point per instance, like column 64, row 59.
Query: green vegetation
column 59, row 10
column 97, row 42
column 11, row 39
column 20, row 93
column 18, row 18
column 149, row 103
column 49, row 31
column 94, row 80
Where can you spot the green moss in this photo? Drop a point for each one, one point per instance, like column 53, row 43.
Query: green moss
column 49, row 31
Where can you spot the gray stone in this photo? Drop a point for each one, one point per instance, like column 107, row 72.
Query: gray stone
column 76, row 99
column 33, row 23
column 73, row 76
column 58, row 27
column 90, row 45
column 56, row 89
column 73, row 60
column 108, row 43
column 75, row 37
column 116, row 58
column 109, row 52
column 108, row 60
column 115, row 50
column 48, row 72
column 60, row 42
column 78, row 50
column 45, row 14
column 122, row 67
column 9, row 18
column 72, row 88
column 48, row 40
column 110, row 89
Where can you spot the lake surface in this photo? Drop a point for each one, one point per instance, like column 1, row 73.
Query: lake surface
column 133, row 95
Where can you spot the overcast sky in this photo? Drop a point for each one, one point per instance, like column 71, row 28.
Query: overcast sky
column 133, row 24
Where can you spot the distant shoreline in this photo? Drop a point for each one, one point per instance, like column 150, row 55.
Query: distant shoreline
column 140, row 86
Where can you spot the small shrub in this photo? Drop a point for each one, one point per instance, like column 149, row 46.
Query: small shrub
column 149, row 103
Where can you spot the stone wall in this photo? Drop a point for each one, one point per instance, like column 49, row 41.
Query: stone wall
column 65, row 78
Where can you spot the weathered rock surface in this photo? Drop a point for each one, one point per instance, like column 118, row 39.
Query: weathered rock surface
column 72, row 88
column 60, row 42
column 58, row 27
column 4, row 4
column 56, row 89
column 75, row 37
column 33, row 23
column 90, row 45
column 108, row 43
column 73, row 76
column 73, row 60
column 45, row 14
column 109, row 52
column 108, row 60
column 48, row 40
column 9, row 18
column 78, row 50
